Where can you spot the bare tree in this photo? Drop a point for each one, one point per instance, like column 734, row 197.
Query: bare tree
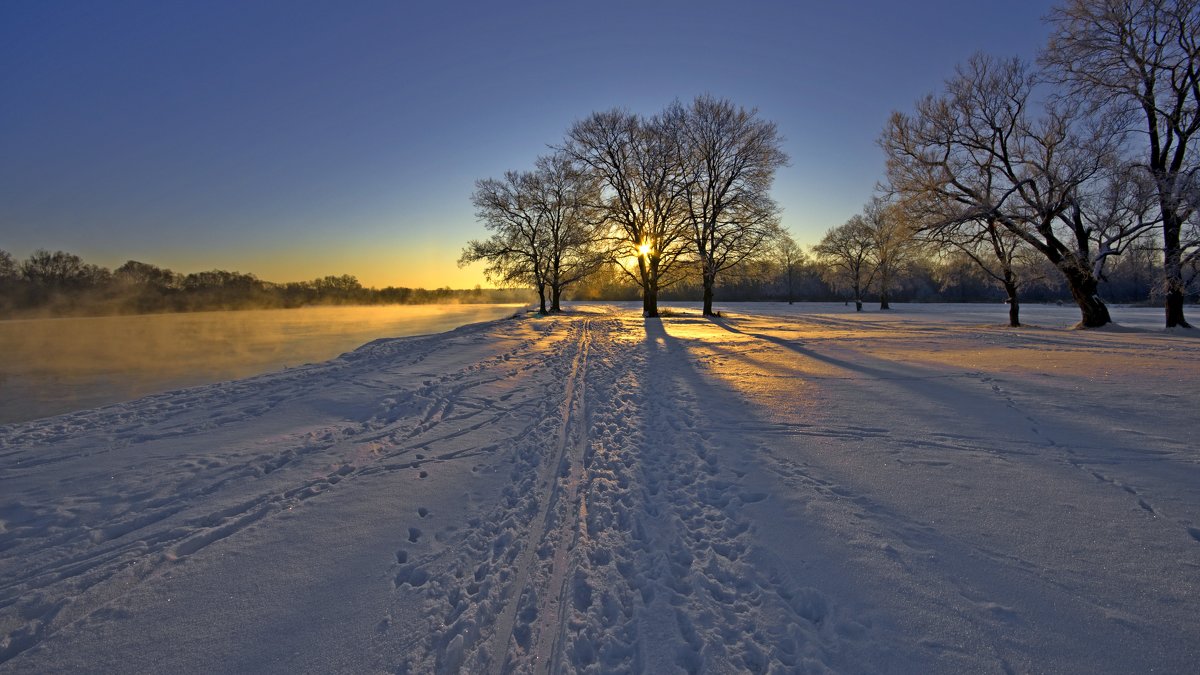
column 949, row 226
column 892, row 244
column 515, row 253
column 8, row 267
column 61, row 271
column 729, row 157
column 145, row 275
column 10, row 276
column 846, row 249
column 1118, row 210
column 993, row 249
column 638, row 165
column 563, row 197
column 977, row 154
column 1140, row 59
column 789, row 257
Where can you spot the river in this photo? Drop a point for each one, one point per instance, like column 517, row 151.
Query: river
column 54, row 366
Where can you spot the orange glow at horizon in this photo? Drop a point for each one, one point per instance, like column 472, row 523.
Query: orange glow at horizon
column 419, row 265
column 380, row 268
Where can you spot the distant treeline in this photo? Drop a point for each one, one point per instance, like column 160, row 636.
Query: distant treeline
column 1134, row 278
column 63, row 284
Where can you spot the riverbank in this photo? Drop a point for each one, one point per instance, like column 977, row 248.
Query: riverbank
column 55, row 366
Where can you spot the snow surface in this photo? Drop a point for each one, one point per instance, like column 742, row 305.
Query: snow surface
column 784, row 489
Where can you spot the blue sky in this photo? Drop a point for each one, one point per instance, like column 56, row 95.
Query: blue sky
column 298, row 139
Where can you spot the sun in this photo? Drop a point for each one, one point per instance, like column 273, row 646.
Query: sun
column 644, row 250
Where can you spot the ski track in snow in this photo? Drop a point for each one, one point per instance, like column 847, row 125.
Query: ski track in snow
column 601, row 493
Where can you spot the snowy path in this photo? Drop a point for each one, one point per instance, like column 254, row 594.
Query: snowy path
column 601, row 493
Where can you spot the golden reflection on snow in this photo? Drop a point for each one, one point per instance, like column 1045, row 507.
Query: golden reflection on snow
column 781, row 362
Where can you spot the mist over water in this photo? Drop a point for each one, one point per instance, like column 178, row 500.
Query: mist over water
column 53, row 366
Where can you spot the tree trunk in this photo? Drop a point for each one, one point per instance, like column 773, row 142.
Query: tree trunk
column 1173, row 271
column 650, row 289
column 883, row 300
column 857, row 305
column 1094, row 313
column 650, row 304
column 541, row 289
column 1175, row 309
column 555, row 286
column 1014, row 307
column 708, row 294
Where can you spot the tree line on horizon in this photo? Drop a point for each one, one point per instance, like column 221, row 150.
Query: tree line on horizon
column 62, row 283
column 1079, row 174
column 786, row 272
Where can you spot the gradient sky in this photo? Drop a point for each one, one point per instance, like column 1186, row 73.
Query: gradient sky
column 296, row 139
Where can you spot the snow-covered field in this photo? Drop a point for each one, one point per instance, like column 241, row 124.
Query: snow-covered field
column 785, row 489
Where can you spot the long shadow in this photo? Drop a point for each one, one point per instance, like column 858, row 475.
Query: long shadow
column 904, row 379
column 1080, row 443
column 732, row 461
column 740, row 437
column 990, row 570
column 791, row 344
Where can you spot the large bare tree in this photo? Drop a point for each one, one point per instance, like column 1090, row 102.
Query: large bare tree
column 977, row 153
column 729, row 158
column 640, row 171
column 1140, row 60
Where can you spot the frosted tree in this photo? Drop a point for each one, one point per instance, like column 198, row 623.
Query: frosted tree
column 515, row 253
column 977, row 153
column 563, row 198
column 846, row 252
column 892, row 245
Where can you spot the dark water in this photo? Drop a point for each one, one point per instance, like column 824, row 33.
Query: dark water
column 52, row 366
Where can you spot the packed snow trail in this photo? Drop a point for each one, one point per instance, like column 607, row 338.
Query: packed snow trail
column 597, row 492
